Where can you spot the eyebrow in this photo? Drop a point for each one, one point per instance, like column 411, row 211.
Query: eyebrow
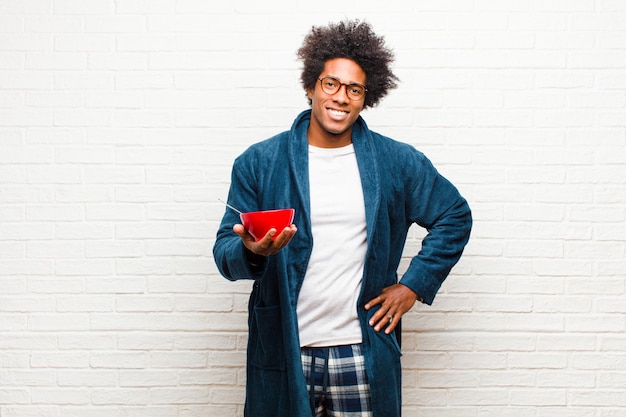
column 337, row 78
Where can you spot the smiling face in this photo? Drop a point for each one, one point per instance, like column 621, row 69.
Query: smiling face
column 332, row 115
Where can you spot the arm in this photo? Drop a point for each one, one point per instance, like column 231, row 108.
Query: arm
column 434, row 203
column 237, row 254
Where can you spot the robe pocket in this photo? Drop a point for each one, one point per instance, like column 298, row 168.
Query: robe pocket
column 389, row 340
column 266, row 348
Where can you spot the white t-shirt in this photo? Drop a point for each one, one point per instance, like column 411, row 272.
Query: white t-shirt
column 327, row 301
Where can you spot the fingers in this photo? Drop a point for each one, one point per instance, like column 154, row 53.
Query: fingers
column 284, row 237
column 273, row 243
column 394, row 301
column 386, row 319
column 270, row 244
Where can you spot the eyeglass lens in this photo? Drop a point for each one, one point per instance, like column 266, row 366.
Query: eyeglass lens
column 331, row 85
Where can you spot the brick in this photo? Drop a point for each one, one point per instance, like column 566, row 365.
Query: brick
column 108, row 285
column 203, row 303
column 227, row 396
column 125, row 396
column 83, row 7
column 566, row 6
column 19, row 267
column 224, row 377
column 176, row 212
column 84, row 267
column 77, row 231
column 183, row 395
column 178, row 360
column 56, row 61
column 55, row 250
column 14, row 396
column 115, row 100
column 595, row 324
column 447, row 379
column 512, row 378
column 56, row 285
column 139, row 80
column 114, row 23
column 535, row 323
column 87, row 378
column 117, row 175
column 146, row 411
column 563, row 41
column 186, row 322
column 143, row 378
column 476, row 397
column 144, row 267
column 560, row 379
column 95, row 341
column 14, row 214
column 118, row 321
column 112, row 212
column 27, row 80
column 143, row 303
column 26, row 6
column 145, row 231
column 30, row 411
column 49, row 23
column 114, row 249
column 11, row 24
column 33, row 342
column 146, row 341
column 13, row 323
column 174, row 176
column 143, row 156
column 544, row 397
column 83, row 42
column 59, row 322
column 566, row 342
column 27, row 304
column 207, row 341
column 142, row 118
column 59, row 360
column 71, row 194
column 179, row 247
column 50, row 135
column 42, row 100
column 119, row 360
column 470, row 360
column 82, row 304
column 598, row 398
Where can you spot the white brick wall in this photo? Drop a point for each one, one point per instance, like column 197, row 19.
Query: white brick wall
column 119, row 121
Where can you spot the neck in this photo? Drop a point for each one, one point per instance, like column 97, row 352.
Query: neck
column 329, row 140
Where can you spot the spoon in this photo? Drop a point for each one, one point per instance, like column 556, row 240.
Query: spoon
column 230, row 207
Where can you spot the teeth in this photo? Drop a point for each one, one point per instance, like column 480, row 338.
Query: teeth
column 337, row 112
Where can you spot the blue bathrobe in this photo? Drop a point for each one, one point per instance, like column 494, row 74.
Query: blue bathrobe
column 400, row 187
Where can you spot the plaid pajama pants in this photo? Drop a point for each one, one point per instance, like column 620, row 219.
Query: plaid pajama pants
column 337, row 381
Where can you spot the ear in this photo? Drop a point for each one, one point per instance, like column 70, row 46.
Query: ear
column 309, row 93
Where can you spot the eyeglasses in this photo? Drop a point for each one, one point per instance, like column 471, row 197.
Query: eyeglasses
column 330, row 85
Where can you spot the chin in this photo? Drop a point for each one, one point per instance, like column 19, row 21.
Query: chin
column 334, row 129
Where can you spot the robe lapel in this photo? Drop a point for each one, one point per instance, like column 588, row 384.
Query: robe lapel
column 369, row 172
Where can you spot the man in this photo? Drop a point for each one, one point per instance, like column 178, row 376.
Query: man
column 326, row 302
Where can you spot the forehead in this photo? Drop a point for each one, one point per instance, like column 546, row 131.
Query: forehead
column 345, row 69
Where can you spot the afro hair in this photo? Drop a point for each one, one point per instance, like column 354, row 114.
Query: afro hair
column 354, row 40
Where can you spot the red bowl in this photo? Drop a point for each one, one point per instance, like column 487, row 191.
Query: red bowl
column 258, row 223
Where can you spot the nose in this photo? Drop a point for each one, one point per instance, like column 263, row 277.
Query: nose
column 342, row 94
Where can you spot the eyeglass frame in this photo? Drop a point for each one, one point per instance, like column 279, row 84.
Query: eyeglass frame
column 340, row 85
